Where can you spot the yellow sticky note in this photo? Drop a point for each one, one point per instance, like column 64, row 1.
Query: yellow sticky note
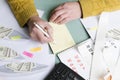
column 36, row 49
column 15, row 37
column 93, row 28
column 62, row 38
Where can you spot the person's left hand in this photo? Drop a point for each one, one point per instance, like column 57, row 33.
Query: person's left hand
column 66, row 12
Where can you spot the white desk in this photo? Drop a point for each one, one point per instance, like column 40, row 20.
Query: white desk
column 7, row 19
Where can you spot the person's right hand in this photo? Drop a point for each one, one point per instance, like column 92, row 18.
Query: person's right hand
column 35, row 33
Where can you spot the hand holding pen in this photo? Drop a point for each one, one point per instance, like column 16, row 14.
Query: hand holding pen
column 40, row 30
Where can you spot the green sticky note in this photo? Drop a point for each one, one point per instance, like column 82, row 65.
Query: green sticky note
column 16, row 37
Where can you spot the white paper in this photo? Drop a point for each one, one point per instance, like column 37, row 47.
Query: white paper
column 99, row 67
column 116, row 75
column 91, row 25
column 86, row 50
column 106, row 58
column 111, row 53
column 73, row 60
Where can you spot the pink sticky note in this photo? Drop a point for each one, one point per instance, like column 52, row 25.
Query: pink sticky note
column 28, row 54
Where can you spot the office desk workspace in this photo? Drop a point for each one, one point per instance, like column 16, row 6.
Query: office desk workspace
column 88, row 48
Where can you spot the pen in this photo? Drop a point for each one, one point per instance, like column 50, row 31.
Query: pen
column 40, row 28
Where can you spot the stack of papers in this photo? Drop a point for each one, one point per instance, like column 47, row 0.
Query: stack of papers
column 105, row 33
column 100, row 54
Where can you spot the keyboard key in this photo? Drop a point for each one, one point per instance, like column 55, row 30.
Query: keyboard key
column 71, row 75
column 62, row 72
column 76, row 78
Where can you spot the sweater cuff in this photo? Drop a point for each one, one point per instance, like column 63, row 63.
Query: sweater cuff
column 90, row 8
column 23, row 10
column 26, row 15
column 86, row 8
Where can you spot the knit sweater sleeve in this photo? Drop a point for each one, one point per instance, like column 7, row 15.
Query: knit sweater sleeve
column 95, row 7
column 23, row 10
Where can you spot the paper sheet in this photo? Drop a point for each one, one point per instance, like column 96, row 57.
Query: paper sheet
column 116, row 75
column 99, row 67
column 107, row 49
column 86, row 50
column 73, row 60
column 62, row 38
column 91, row 25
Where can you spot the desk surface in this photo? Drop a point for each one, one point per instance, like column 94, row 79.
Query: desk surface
column 8, row 20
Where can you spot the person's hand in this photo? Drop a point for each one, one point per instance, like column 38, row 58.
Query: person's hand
column 35, row 33
column 66, row 12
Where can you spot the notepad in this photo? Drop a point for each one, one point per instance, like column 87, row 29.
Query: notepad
column 62, row 38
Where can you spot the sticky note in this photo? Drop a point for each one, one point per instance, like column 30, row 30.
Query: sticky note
column 62, row 38
column 15, row 37
column 28, row 54
column 36, row 49
column 93, row 28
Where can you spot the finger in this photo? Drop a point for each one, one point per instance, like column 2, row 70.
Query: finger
column 58, row 8
column 56, row 14
column 65, row 20
column 50, row 32
column 41, row 37
column 49, row 29
column 44, row 28
column 60, row 18
column 33, row 35
column 36, row 32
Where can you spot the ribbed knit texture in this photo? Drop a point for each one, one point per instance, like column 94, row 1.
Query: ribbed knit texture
column 23, row 10
column 95, row 7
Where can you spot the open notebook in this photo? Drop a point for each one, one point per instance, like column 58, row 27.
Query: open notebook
column 62, row 38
